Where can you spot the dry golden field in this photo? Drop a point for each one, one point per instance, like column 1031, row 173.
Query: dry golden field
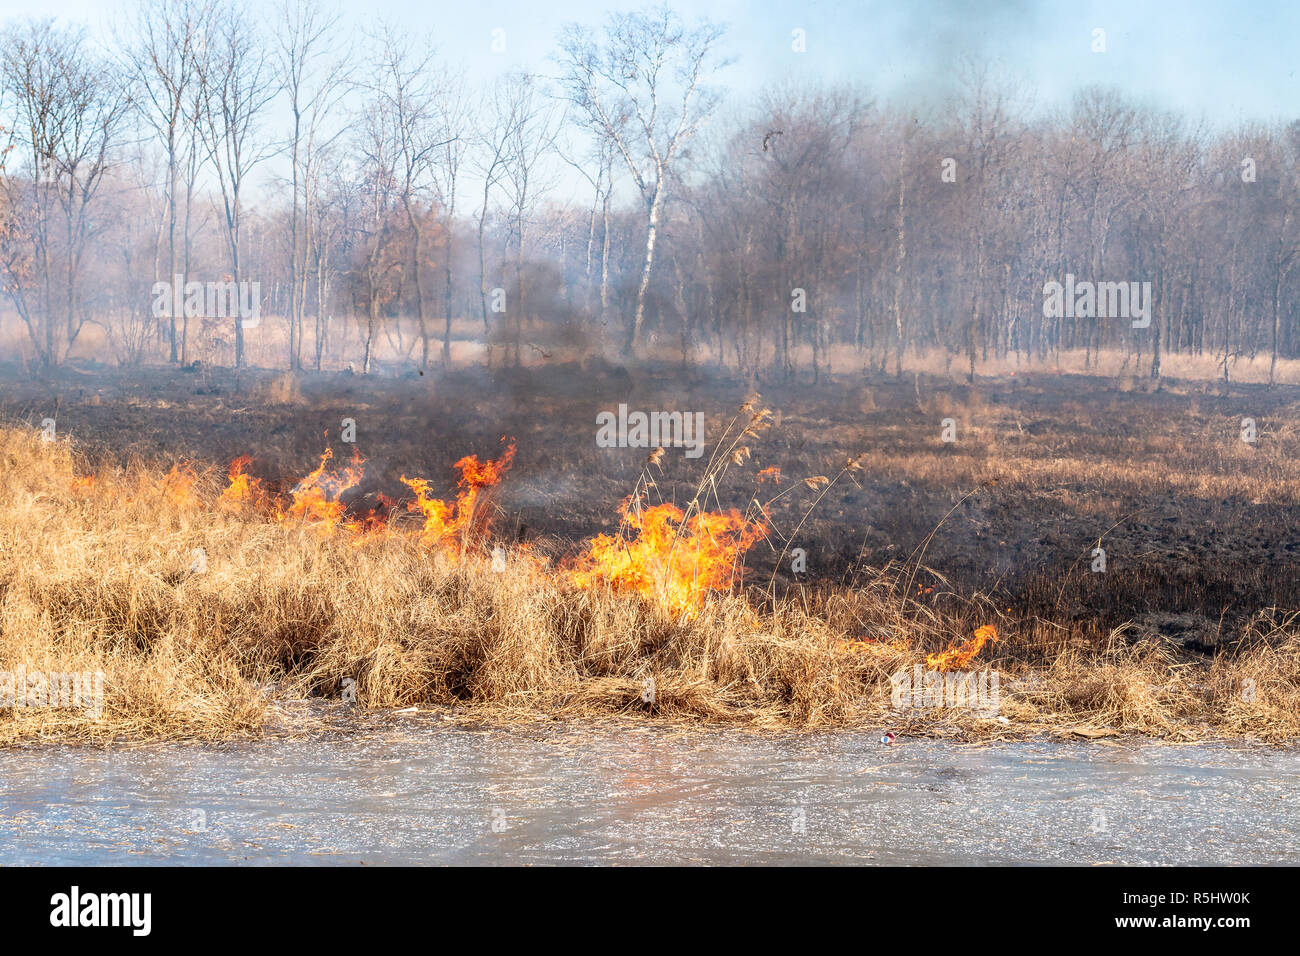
column 472, row 551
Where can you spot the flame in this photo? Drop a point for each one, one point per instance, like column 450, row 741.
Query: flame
column 178, row 487
column 958, row 657
column 375, row 520
column 660, row 553
column 874, row 647
column 316, row 498
column 672, row 559
column 243, row 489
column 772, row 474
column 448, row 523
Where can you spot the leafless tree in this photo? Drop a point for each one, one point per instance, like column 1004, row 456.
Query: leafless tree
column 237, row 82
column 316, row 77
column 405, row 92
column 499, row 116
column 68, row 110
column 162, row 63
column 643, row 87
column 378, row 192
column 532, row 140
column 602, row 188
column 455, row 113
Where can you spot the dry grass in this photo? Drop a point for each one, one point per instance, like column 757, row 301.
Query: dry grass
column 101, row 577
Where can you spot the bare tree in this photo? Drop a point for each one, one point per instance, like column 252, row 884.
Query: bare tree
column 988, row 142
column 315, row 80
column 499, row 115
column 68, row 111
column 377, row 192
column 642, row 88
column 237, row 83
column 332, row 209
column 406, row 96
column 456, row 117
column 193, row 162
column 531, row 140
column 162, row 63
column 601, row 194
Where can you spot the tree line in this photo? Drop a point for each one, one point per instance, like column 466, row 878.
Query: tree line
column 408, row 210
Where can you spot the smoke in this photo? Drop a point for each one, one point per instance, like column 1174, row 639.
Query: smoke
column 929, row 41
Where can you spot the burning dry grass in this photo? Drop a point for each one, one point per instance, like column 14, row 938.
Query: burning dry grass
column 208, row 601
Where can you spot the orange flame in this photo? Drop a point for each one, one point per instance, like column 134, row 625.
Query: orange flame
column 243, row 489
column 874, row 647
column 955, row 658
column 317, row 497
column 660, row 553
column 446, row 523
column 672, row 559
column 772, row 474
column 178, row 487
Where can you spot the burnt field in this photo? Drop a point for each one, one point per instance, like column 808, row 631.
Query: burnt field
column 1201, row 530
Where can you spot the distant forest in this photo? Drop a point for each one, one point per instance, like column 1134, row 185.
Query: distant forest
column 414, row 206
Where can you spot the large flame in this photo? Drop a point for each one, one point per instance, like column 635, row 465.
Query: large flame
column 243, row 490
column 318, row 497
column 317, row 500
column 447, row 524
column 955, row 658
column 667, row 557
column 178, row 487
column 660, row 552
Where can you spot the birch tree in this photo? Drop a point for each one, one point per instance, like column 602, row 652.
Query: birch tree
column 642, row 85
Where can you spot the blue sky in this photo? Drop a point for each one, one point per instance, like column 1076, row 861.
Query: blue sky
column 1221, row 61
column 1228, row 60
